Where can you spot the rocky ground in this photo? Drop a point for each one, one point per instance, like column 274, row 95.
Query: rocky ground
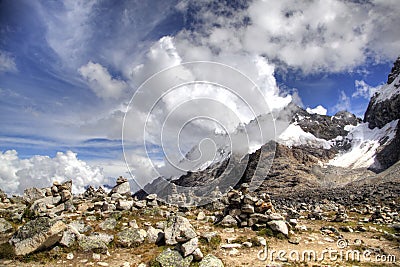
column 53, row 227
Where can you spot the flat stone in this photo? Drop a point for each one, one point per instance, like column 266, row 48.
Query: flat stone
column 230, row 246
column 247, row 208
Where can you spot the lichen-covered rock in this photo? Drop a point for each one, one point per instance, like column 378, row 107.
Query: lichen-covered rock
column 5, row 226
column 211, row 261
column 92, row 243
column 131, row 237
column 36, row 235
column 32, row 194
column 178, row 230
column 172, row 258
column 108, row 224
column 42, row 204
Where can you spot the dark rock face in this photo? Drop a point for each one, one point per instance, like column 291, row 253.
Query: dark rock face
column 379, row 113
column 394, row 72
column 323, row 126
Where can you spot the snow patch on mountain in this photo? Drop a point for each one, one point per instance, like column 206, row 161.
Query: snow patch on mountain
column 388, row 91
column 365, row 143
column 317, row 110
column 295, row 136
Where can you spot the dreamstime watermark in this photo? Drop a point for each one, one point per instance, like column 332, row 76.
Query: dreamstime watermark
column 329, row 254
column 193, row 115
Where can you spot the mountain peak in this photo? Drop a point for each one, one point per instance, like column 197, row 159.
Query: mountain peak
column 394, row 72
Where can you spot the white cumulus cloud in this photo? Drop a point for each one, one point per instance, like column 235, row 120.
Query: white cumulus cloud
column 101, row 82
column 17, row 174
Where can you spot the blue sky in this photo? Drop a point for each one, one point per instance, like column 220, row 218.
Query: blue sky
column 68, row 68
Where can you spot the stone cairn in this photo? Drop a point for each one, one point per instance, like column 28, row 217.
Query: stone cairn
column 244, row 209
column 50, row 201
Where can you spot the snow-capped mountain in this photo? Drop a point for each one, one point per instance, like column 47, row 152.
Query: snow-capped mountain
column 312, row 150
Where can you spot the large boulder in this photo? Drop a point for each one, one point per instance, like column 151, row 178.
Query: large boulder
column 37, row 235
column 178, row 230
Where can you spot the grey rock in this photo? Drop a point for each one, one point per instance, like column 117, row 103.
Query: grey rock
column 122, row 189
column 275, row 217
column 68, row 239
column 228, row 221
column 105, row 238
column 124, row 204
column 37, row 234
column 131, row 237
column 189, row 247
column 258, row 217
column 5, row 226
column 154, row 236
column 247, row 208
column 201, row 216
column 32, row 194
column 65, row 195
column 170, row 258
column 279, row 226
column 161, row 225
column 294, row 240
column 197, row 254
column 90, row 243
column 178, row 230
column 40, row 205
column 108, row 224
column 211, row 261
column 140, row 204
column 151, row 197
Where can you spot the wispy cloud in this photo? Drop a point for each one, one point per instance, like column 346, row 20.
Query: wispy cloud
column 7, row 62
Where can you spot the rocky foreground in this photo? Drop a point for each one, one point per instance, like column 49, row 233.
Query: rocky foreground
column 53, row 227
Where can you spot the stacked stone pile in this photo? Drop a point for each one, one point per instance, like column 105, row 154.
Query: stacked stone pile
column 245, row 209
